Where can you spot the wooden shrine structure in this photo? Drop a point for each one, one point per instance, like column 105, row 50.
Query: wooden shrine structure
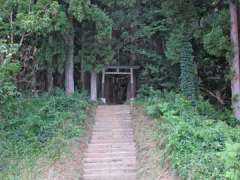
column 119, row 70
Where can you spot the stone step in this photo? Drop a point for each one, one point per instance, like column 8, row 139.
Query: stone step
column 113, row 115
column 111, row 127
column 115, row 176
column 106, row 135
column 108, row 127
column 113, row 122
column 112, row 133
column 107, row 107
column 122, row 106
column 114, row 138
column 98, row 165
column 117, row 122
column 110, row 154
column 110, row 170
column 110, row 159
column 112, row 119
column 111, row 150
column 108, row 120
column 113, row 130
column 111, row 145
column 110, row 141
column 107, row 113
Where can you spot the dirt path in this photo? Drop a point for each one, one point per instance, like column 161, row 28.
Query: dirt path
column 111, row 152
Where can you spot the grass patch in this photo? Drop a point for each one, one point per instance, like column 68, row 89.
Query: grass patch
column 36, row 127
column 201, row 142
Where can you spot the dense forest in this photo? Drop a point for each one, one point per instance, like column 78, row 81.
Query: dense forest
column 188, row 54
column 179, row 45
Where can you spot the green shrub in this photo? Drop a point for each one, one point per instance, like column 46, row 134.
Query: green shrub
column 31, row 127
column 8, row 89
column 200, row 143
column 231, row 158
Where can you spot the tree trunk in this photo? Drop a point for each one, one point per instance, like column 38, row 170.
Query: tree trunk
column 82, row 77
column 49, row 80
column 11, row 26
column 34, row 82
column 235, row 83
column 69, row 64
column 93, row 86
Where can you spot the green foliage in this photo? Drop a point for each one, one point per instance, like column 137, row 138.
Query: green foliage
column 216, row 43
column 173, row 45
column 96, row 50
column 8, row 71
column 7, row 51
column 199, row 144
column 37, row 127
column 79, row 8
column 145, row 33
column 51, row 53
column 8, row 91
column 44, row 18
column 231, row 158
column 154, row 73
column 117, row 3
column 103, row 25
column 206, row 24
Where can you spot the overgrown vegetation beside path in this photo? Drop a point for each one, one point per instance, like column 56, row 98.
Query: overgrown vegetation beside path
column 200, row 142
column 36, row 128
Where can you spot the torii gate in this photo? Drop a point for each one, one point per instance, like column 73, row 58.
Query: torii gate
column 118, row 70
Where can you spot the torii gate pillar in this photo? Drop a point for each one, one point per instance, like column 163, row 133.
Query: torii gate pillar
column 93, row 86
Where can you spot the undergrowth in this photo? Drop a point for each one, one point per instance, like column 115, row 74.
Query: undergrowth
column 201, row 142
column 35, row 127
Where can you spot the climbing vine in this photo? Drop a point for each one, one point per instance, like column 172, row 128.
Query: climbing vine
column 188, row 74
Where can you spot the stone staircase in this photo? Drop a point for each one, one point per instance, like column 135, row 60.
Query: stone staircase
column 111, row 152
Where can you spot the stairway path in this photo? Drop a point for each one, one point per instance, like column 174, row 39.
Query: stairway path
column 111, row 152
